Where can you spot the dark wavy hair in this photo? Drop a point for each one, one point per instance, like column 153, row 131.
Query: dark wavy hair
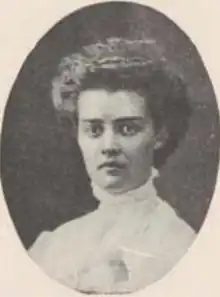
column 121, row 64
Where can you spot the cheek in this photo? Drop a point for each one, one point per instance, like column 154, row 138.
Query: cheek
column 139, row 149
column 88, row 149
column 141, row 141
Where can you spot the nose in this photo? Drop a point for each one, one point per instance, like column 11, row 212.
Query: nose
column 110, row 145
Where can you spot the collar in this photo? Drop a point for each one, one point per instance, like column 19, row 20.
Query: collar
column 146, row 192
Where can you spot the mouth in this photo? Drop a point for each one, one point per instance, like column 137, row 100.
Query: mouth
column 112, row 165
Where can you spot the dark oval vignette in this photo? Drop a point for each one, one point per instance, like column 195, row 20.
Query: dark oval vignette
column 39, row 160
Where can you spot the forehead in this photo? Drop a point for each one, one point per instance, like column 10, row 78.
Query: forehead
column 100, row 103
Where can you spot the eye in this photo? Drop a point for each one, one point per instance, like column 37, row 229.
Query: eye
column 93, row 130
column 128, row 129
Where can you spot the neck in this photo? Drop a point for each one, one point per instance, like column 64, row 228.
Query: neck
column 144, row 192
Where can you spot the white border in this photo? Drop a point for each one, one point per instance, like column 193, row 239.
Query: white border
column 23, row 23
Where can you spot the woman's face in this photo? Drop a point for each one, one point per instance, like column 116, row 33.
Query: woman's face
column 116, row 137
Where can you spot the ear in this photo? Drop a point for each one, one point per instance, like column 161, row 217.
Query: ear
column 161, row 138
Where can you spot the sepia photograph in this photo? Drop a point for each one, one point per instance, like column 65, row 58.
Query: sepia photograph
column 110, row 148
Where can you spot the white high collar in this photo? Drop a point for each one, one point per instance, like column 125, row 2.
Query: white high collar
column 146, row 192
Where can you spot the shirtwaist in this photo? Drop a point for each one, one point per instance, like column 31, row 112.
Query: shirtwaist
column 129, row 242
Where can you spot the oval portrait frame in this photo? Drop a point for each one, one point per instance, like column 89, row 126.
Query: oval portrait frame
column 156, row 8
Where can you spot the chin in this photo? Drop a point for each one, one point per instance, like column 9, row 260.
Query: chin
column 115, row 189
column 112, row 185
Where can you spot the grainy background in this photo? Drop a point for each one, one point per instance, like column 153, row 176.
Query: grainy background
column 43, row 177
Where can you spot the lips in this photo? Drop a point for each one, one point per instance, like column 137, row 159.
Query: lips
column 112, row 165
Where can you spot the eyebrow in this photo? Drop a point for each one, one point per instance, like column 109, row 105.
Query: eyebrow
column 117, row 120
column 129, row 119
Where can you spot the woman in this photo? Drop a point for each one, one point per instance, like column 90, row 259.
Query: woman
column 129, row 111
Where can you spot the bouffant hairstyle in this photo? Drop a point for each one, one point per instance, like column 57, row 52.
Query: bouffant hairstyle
column 129, row 65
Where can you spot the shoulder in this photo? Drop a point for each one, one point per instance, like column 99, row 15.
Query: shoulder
column 169, row 240
column 177, row 226
column 52, row 248
column 175, row 234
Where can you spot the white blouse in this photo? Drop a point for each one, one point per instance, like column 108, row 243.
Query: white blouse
column 129, row 242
